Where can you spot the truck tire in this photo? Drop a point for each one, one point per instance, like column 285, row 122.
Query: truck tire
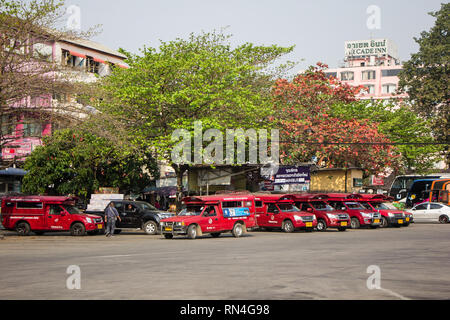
column 355, row 223
column 215, row 234
column 23, row 229
column 150, row 227
column 384, row 222
column 321, row 225
column 77, row 229
column 238, row 230
column 288, row 226
column 192, row 231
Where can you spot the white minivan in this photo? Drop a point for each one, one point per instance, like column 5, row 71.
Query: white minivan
column 431, row 212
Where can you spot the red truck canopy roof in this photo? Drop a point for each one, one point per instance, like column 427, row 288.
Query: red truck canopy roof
column 46, row 199
column 219, row 198
column 274, row 197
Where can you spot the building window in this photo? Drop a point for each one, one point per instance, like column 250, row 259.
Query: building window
column 388, row 88
column 8, row 125
column 71, row 60
column 331, row 74
column 368, row 75
column 92, row 66
column 347, row 76
column 369, row 89
column 390, row 72
column 32, row 127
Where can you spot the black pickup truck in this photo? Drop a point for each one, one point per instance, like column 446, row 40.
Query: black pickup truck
column 136, row 215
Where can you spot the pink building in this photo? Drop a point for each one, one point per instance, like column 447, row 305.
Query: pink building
column 373, row 64
column 87, row 60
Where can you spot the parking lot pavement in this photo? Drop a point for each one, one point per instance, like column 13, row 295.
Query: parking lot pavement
column 414, row 263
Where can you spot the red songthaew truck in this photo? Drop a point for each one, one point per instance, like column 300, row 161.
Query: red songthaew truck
column 275, row 211
column 234, row 212
column 40, row 214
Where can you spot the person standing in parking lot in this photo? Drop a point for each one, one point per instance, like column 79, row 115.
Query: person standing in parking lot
column 111, row 216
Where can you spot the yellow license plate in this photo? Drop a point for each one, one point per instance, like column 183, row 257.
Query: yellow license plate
column 400, row 221
column 377, row 221
column 407, row 219
column 309, row 224
column 343, row 224
column 168, row 229
column 99, row 226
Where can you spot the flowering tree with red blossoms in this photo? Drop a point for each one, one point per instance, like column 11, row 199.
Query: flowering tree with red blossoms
column 307, row 129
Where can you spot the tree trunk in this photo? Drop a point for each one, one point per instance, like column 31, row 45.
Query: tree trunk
column 179, row 170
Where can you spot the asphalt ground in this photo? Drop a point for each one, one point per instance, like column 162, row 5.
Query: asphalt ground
column 413, row 263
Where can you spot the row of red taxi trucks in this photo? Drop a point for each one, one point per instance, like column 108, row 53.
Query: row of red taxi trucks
column 234, row 212
column 239, row 213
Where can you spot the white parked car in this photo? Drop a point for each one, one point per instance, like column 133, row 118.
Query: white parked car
column 431, row 212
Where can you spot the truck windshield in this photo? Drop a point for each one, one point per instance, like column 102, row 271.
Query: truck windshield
column 321, row 205
column 71, row 209
column 366, row 205
column 191, row 211
column 384, row 206
column 145, row 206
column 287, row 207
column 354, row 205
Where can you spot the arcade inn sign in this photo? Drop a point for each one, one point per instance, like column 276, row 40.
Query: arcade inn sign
column 376, row 47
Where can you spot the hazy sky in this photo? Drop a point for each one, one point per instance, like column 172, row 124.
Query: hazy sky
column 317, row 28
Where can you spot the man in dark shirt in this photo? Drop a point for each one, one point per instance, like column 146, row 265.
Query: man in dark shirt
column 111, row 215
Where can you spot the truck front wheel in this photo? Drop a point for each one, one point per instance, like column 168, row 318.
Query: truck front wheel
column 384, row 222
column 150, row 227
column 288, row 226
column 321, row 225
column 192, row 231
column 355, row 223
column 23, row 229
column 77, row 229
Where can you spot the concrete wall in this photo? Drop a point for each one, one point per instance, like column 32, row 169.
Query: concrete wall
column 334, row 180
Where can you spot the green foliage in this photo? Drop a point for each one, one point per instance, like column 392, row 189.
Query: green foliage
column 401, row 125
column 73, row 162
column 426, row 75
column 196, row 79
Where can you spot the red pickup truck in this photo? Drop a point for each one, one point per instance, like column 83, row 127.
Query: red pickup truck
column 327, row 216
column 359, row 215
column 390, row 215
column 279, row 211
column 217, row 214
column 41, row 214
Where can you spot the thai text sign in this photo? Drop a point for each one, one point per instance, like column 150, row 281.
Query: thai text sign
column 292, row 175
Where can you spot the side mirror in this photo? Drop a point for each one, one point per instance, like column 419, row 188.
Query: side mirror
column 309, row 210
column 413, row 209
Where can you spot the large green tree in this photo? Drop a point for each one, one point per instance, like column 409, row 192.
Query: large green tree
column 201, row 78
column 312, row 127
column 75, row 162
column 426, row 76
column 411, row 134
